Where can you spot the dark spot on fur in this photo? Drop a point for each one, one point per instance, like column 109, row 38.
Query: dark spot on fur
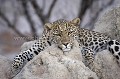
column 86, row 33
column 24, row 57
column 27, row 56
column 117, row 43
column 30, row 50
column 111, row 50
column 96, row 47
column 86, row 39
column 28, row 59
column 18, row 58
column 19, row 55
column 33, row 48
column 86, row 44
column 101, row 43
column 91, row 43
column 36, row 52
column 96, row 42
column 43, row 47
column 105, row 41
column 40, row 45
column 81, row 40
column 116, row 48
column 92, row 47
column 99, row 40
column 39, row 50
column 111, row 43
column 119, row 53
column 117, row 57
column 43, row 42
column 90, row 39
column 31, row 56
column 49, row 43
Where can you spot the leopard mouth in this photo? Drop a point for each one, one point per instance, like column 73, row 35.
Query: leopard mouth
column 65, row 48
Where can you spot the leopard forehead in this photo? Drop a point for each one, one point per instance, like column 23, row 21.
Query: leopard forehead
column 62, row 25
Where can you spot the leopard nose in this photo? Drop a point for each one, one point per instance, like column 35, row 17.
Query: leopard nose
column 65, row 44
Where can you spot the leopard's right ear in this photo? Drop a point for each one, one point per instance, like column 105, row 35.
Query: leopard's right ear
column 48, row 26
column 76, row 21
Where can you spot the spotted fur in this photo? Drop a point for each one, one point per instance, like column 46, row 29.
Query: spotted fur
column 62, row 33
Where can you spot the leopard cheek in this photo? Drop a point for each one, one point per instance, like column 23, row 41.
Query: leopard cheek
column 60, row 46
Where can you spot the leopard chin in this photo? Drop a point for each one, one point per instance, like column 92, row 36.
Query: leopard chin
column 66, row 49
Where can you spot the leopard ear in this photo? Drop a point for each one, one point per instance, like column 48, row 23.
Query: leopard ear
column 76, row 21
column 48, row 26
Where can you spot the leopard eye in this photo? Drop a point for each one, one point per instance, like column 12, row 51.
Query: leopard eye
column 58, row 35
column 55, row 32
column 72, row 29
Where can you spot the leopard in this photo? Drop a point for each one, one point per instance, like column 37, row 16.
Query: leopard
column 62, row 33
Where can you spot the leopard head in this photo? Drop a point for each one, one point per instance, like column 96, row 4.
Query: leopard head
column 62, row 33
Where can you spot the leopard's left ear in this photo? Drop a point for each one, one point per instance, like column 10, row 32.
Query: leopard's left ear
column 76, row 21
column 48, row 26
